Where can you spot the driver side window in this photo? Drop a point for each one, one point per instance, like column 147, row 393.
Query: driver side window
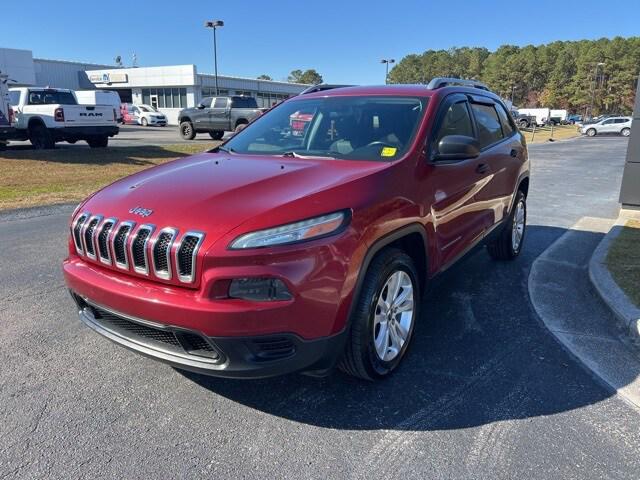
column 456, row 121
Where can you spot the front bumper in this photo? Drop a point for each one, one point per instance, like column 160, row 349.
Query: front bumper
column 233, row 357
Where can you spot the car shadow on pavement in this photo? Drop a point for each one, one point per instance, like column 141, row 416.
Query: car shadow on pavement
column 479, row 355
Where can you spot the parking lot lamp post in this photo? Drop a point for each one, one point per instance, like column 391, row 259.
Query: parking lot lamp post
column 593, row 86
column 387, row 61
column 215, row 24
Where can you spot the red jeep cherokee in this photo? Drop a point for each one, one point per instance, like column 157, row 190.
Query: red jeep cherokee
column 277, row 252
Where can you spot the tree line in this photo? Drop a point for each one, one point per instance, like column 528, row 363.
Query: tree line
column 561, row 74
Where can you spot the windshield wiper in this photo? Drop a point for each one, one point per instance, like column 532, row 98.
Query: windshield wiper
column 292, row 154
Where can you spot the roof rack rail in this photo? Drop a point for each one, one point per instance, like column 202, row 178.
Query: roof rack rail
column 321, row 87
column 439, row 82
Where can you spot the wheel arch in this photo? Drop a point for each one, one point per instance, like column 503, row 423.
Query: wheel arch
column 241, row 121
column 33, row 121
column 412, row 239
column 184, row 119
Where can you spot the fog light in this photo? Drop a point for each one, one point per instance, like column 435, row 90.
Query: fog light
column 259, row 289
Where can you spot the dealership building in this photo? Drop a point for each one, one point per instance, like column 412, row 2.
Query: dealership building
column 169, row 88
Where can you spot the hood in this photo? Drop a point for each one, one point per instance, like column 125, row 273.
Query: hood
column 216, row 192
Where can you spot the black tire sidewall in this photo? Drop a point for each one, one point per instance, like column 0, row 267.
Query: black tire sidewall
column 39, row 137
column 376, row 367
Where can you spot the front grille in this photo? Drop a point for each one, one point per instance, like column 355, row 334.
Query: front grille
column 273, row 348
column 162, row 252
column 139, row 249
column 103, row 241
column 176, row 341
column 77, row 232
column 88, row 237
column 120, row 245
column 186, row 256
column 126, row 246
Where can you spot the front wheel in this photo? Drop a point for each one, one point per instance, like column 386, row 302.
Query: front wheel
column 591, row 132
column 384, row 316
column 509, row 243
column 144, row 122
column 625, row 132
column 186, row 131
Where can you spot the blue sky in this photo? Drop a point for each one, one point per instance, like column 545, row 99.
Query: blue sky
column 344, row 40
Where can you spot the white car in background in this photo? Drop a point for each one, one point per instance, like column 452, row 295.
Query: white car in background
column 619, row 125
column 147, row 115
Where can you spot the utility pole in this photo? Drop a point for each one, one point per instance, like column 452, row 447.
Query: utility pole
column 214, row 24
column 387, row 61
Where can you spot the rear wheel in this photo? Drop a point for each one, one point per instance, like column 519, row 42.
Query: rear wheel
column 186, row 130
column 591, row 132
column 216, row 134
column 98, row 142
column 509, row 243
column 40, row 137
column 240, row 126
column 523, row 124
column 625, row 132
column 383, row 318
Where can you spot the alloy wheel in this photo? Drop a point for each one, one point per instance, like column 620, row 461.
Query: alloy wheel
column 394, row 315
column 518, row 227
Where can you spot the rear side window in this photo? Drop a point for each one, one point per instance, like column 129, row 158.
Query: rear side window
column 507, row 127
column 489, row 129
column 220, row 103
column 244, row 102
column 456, row 121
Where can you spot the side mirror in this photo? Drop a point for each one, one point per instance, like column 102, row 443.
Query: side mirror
column 200, row 106
column 457, row 147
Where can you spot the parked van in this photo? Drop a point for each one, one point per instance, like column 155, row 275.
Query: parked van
column 100, row 97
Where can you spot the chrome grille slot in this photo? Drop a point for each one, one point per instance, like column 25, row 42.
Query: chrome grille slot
column 186, row 255
column 139, row 249
column 88, row 237
column 162, row 253
column 119, row 244
column 103, row 240
column 76, row 232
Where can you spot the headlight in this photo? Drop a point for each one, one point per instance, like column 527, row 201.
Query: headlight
column 292, row 232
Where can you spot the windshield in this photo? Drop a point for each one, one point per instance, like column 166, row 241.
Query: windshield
column 352, row 128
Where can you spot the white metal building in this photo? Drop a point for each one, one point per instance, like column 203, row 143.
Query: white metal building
column 169, row 88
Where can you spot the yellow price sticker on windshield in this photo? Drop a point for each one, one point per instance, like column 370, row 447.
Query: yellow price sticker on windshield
column 388, row 151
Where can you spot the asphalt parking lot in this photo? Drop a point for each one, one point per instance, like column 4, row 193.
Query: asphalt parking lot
column 485, row 392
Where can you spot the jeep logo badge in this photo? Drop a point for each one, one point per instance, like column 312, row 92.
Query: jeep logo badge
column 143, row 212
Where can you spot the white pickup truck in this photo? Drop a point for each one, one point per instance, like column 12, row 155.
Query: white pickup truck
column 45, row 116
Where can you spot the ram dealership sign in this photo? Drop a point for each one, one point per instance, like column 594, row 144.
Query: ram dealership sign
column 108, row 78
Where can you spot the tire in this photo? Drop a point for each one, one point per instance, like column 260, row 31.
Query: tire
column 144, row 122
column 591, row 132
column 216, row 134
column 505, row 247
column 361, row 357
column 3, row 146
column 625, row 132
column 187, row 131
column 240, row 126
column 523, row 124
column 40, row 137
column 98, row 142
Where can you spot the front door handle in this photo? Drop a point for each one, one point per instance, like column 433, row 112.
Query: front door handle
column 482, row 168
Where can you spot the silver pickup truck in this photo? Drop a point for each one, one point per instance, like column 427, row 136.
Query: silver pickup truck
column 215, row 115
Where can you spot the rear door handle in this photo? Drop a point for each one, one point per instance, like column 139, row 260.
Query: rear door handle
column 482, row 168
column 514, row 153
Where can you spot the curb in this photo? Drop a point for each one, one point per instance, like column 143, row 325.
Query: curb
column 626, row 313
